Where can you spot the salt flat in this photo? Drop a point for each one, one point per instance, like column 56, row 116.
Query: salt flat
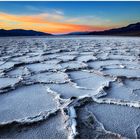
column 88, row 86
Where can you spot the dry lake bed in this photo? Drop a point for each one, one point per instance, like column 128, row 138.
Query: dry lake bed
column 70, row 87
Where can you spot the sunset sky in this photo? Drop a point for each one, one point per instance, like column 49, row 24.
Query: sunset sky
column 63, row 17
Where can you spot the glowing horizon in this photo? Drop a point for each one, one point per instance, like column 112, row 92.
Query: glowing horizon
column 38, row 23
column 56, row 18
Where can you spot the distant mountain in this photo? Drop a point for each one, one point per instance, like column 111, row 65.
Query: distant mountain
column 20, row 32
column 130, row 30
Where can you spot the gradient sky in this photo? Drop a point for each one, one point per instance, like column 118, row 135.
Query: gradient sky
column 63, row 17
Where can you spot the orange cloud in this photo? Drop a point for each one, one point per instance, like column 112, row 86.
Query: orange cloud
column 43, row 22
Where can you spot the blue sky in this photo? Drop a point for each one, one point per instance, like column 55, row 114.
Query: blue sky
column 90, row 13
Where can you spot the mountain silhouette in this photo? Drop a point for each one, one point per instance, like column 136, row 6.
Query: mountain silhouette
column 130, row 30
column 21, row 32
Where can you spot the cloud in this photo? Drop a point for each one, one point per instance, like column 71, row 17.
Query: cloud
column 51, row 17
column 42, row 10
column 59, row 12
column 89, row 20
column 33, row 8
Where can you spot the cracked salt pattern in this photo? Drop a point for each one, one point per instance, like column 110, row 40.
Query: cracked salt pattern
column 69, row 87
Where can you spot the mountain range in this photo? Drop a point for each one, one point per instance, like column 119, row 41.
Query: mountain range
column 130, row 30
column 21, row 32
